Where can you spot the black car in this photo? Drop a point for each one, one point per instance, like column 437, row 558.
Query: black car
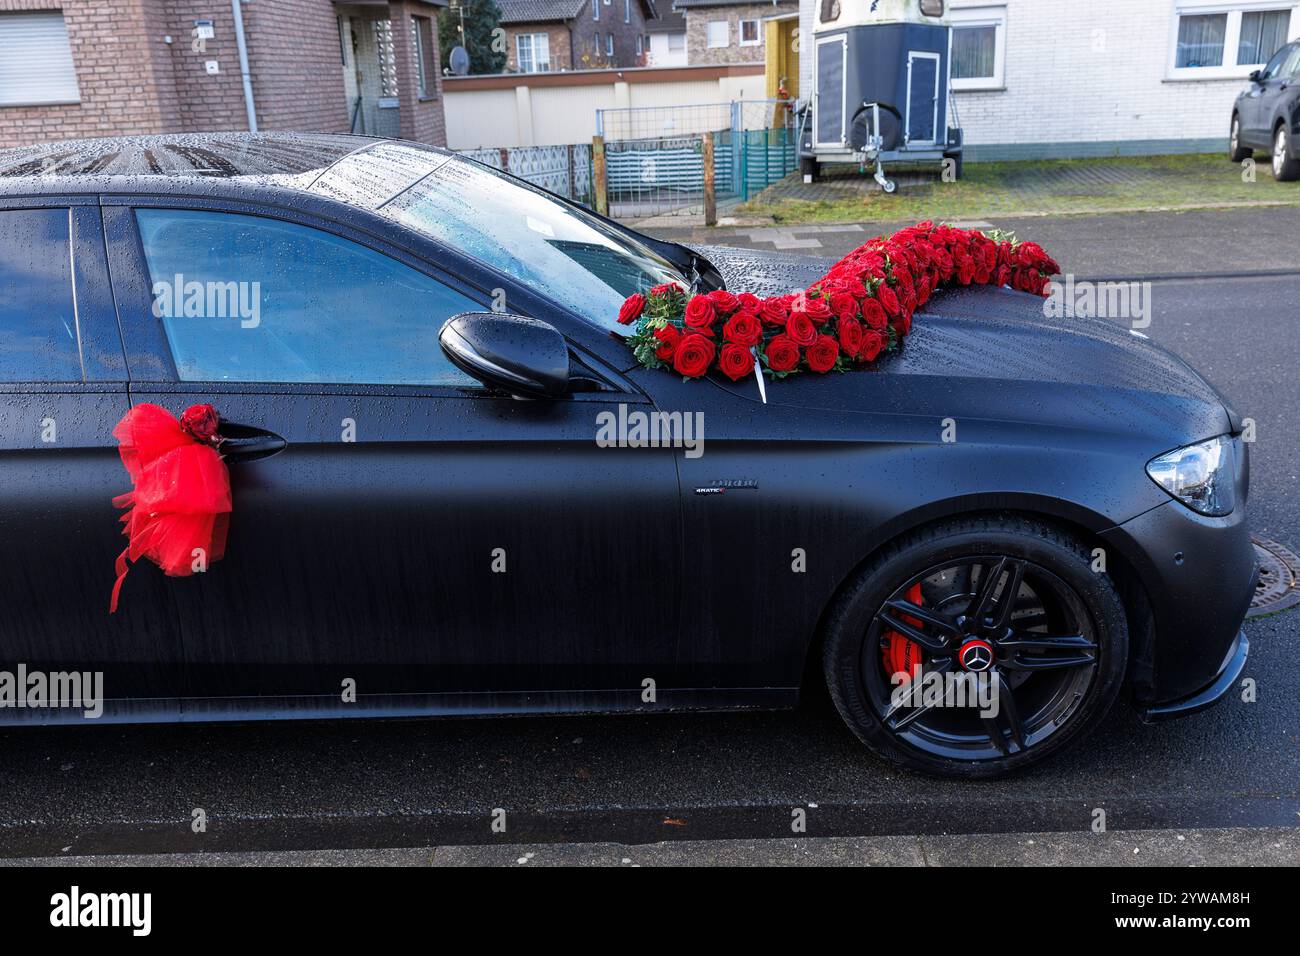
column 1267, row 115
column 424, row 522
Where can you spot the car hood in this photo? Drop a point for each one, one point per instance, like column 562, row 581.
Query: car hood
column 992, row 354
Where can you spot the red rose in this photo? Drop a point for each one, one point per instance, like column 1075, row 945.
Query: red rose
column 800, row 328
column 632, row 308
column 724, row 301
column 888, row 300
column 822, row 354
column 816, row 309
column 735, row 361
column 694, row 355
column 782, row 353
column 666, row 288
column 873, row 343
column 750, row 302
column 669, row 337
column 850, row 335
column 200, row 422
column 873, row 313
column 776, row 311
column 699, row 312
column 842, row 303
column 743, row 328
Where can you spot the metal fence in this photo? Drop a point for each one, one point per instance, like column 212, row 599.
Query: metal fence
column 665, row 176
column 661, row 172
column 564, row 170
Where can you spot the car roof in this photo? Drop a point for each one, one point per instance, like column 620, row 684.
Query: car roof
column 359, row 171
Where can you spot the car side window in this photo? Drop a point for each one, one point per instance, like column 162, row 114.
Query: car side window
column 252, row 299
column 1292, row 65
column 38, row 322
column 1275, row 64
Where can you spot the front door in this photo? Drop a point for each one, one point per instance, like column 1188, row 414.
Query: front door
column 415, row 535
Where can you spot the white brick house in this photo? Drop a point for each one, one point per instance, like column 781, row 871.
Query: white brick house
column 1064, row 78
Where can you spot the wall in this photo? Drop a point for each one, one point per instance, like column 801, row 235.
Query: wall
column 697, row 45
column 1091, row 79
column 550, row 109
column 126, row 83
column 661, row 55
column 557, row 39
column 132, row 81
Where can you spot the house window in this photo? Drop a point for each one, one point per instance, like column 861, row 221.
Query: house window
column 533, row 52
column 36, row 60
column 677, row 42
column 719, row 34
column 749, row 35
column 609, row 43
column 627, row 11
column 425, row 66
column 1263, row 33
column 595, row 9
column 1226, row 40
column 640, row 48
column 978, row 47
column 387, row 59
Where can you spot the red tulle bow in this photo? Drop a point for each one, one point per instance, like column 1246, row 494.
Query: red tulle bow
column 178, row 512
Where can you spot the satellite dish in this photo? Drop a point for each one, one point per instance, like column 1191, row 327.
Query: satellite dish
column 459, row 61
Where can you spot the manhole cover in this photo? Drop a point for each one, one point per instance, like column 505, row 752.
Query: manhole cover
column 1278, row 587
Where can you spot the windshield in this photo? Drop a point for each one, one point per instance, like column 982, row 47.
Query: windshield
column 566, row 253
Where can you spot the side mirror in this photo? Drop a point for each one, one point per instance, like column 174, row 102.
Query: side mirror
column 522, row 356
column 1255, row 75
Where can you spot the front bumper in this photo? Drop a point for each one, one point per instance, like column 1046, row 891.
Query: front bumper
column 1233, row 665
column 1198, row 575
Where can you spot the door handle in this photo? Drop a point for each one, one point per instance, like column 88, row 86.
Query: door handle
column 245, row 443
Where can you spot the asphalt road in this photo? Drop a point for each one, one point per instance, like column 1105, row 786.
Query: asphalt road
column 347, row 785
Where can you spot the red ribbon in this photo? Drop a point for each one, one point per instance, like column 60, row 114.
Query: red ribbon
column 179, row 509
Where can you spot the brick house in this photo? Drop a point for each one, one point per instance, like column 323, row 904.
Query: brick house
column 80, row 68
column 546, row 36
column 724, row 31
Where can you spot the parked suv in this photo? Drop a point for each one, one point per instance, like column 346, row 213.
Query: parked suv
column 1267, row 116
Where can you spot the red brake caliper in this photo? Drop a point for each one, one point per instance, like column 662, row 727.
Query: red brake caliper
column 897, row 653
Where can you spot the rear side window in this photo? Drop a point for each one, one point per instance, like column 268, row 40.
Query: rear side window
column 252, row 299
column 38, row 323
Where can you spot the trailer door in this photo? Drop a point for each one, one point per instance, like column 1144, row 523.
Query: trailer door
column 829, row 106
column 922, row 99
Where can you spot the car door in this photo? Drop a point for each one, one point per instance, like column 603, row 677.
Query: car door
column 62, row 390
column 415, row 534
column 1260, row 104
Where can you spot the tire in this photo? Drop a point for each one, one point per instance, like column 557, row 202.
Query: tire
column 1285, row 166
column 1237, row 152
column 1046, row 702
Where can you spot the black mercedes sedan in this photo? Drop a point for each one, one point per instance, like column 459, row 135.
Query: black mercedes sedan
column 1266, row 115
column 417, row 355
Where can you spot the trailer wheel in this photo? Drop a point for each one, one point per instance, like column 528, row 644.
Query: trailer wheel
column 957, row 164
column 810, row 169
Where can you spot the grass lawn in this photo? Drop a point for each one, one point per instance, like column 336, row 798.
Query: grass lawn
column 1040, row 186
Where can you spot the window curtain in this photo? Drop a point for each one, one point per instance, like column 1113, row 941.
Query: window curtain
column 1262, row 35
column 974, row 50
column 1200, row 40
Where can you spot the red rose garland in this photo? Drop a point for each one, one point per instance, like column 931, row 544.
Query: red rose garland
column 860, row 309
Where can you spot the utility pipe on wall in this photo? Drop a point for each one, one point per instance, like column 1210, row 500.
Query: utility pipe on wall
column 243, row 65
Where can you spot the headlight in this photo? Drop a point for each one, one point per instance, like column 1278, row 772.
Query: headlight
column 1201, row 476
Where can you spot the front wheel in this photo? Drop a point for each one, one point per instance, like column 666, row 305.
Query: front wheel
column 1285, row 166
column 976, row 647
column 1236, row 152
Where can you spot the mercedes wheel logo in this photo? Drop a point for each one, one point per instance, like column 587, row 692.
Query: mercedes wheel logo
column 976, row 656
